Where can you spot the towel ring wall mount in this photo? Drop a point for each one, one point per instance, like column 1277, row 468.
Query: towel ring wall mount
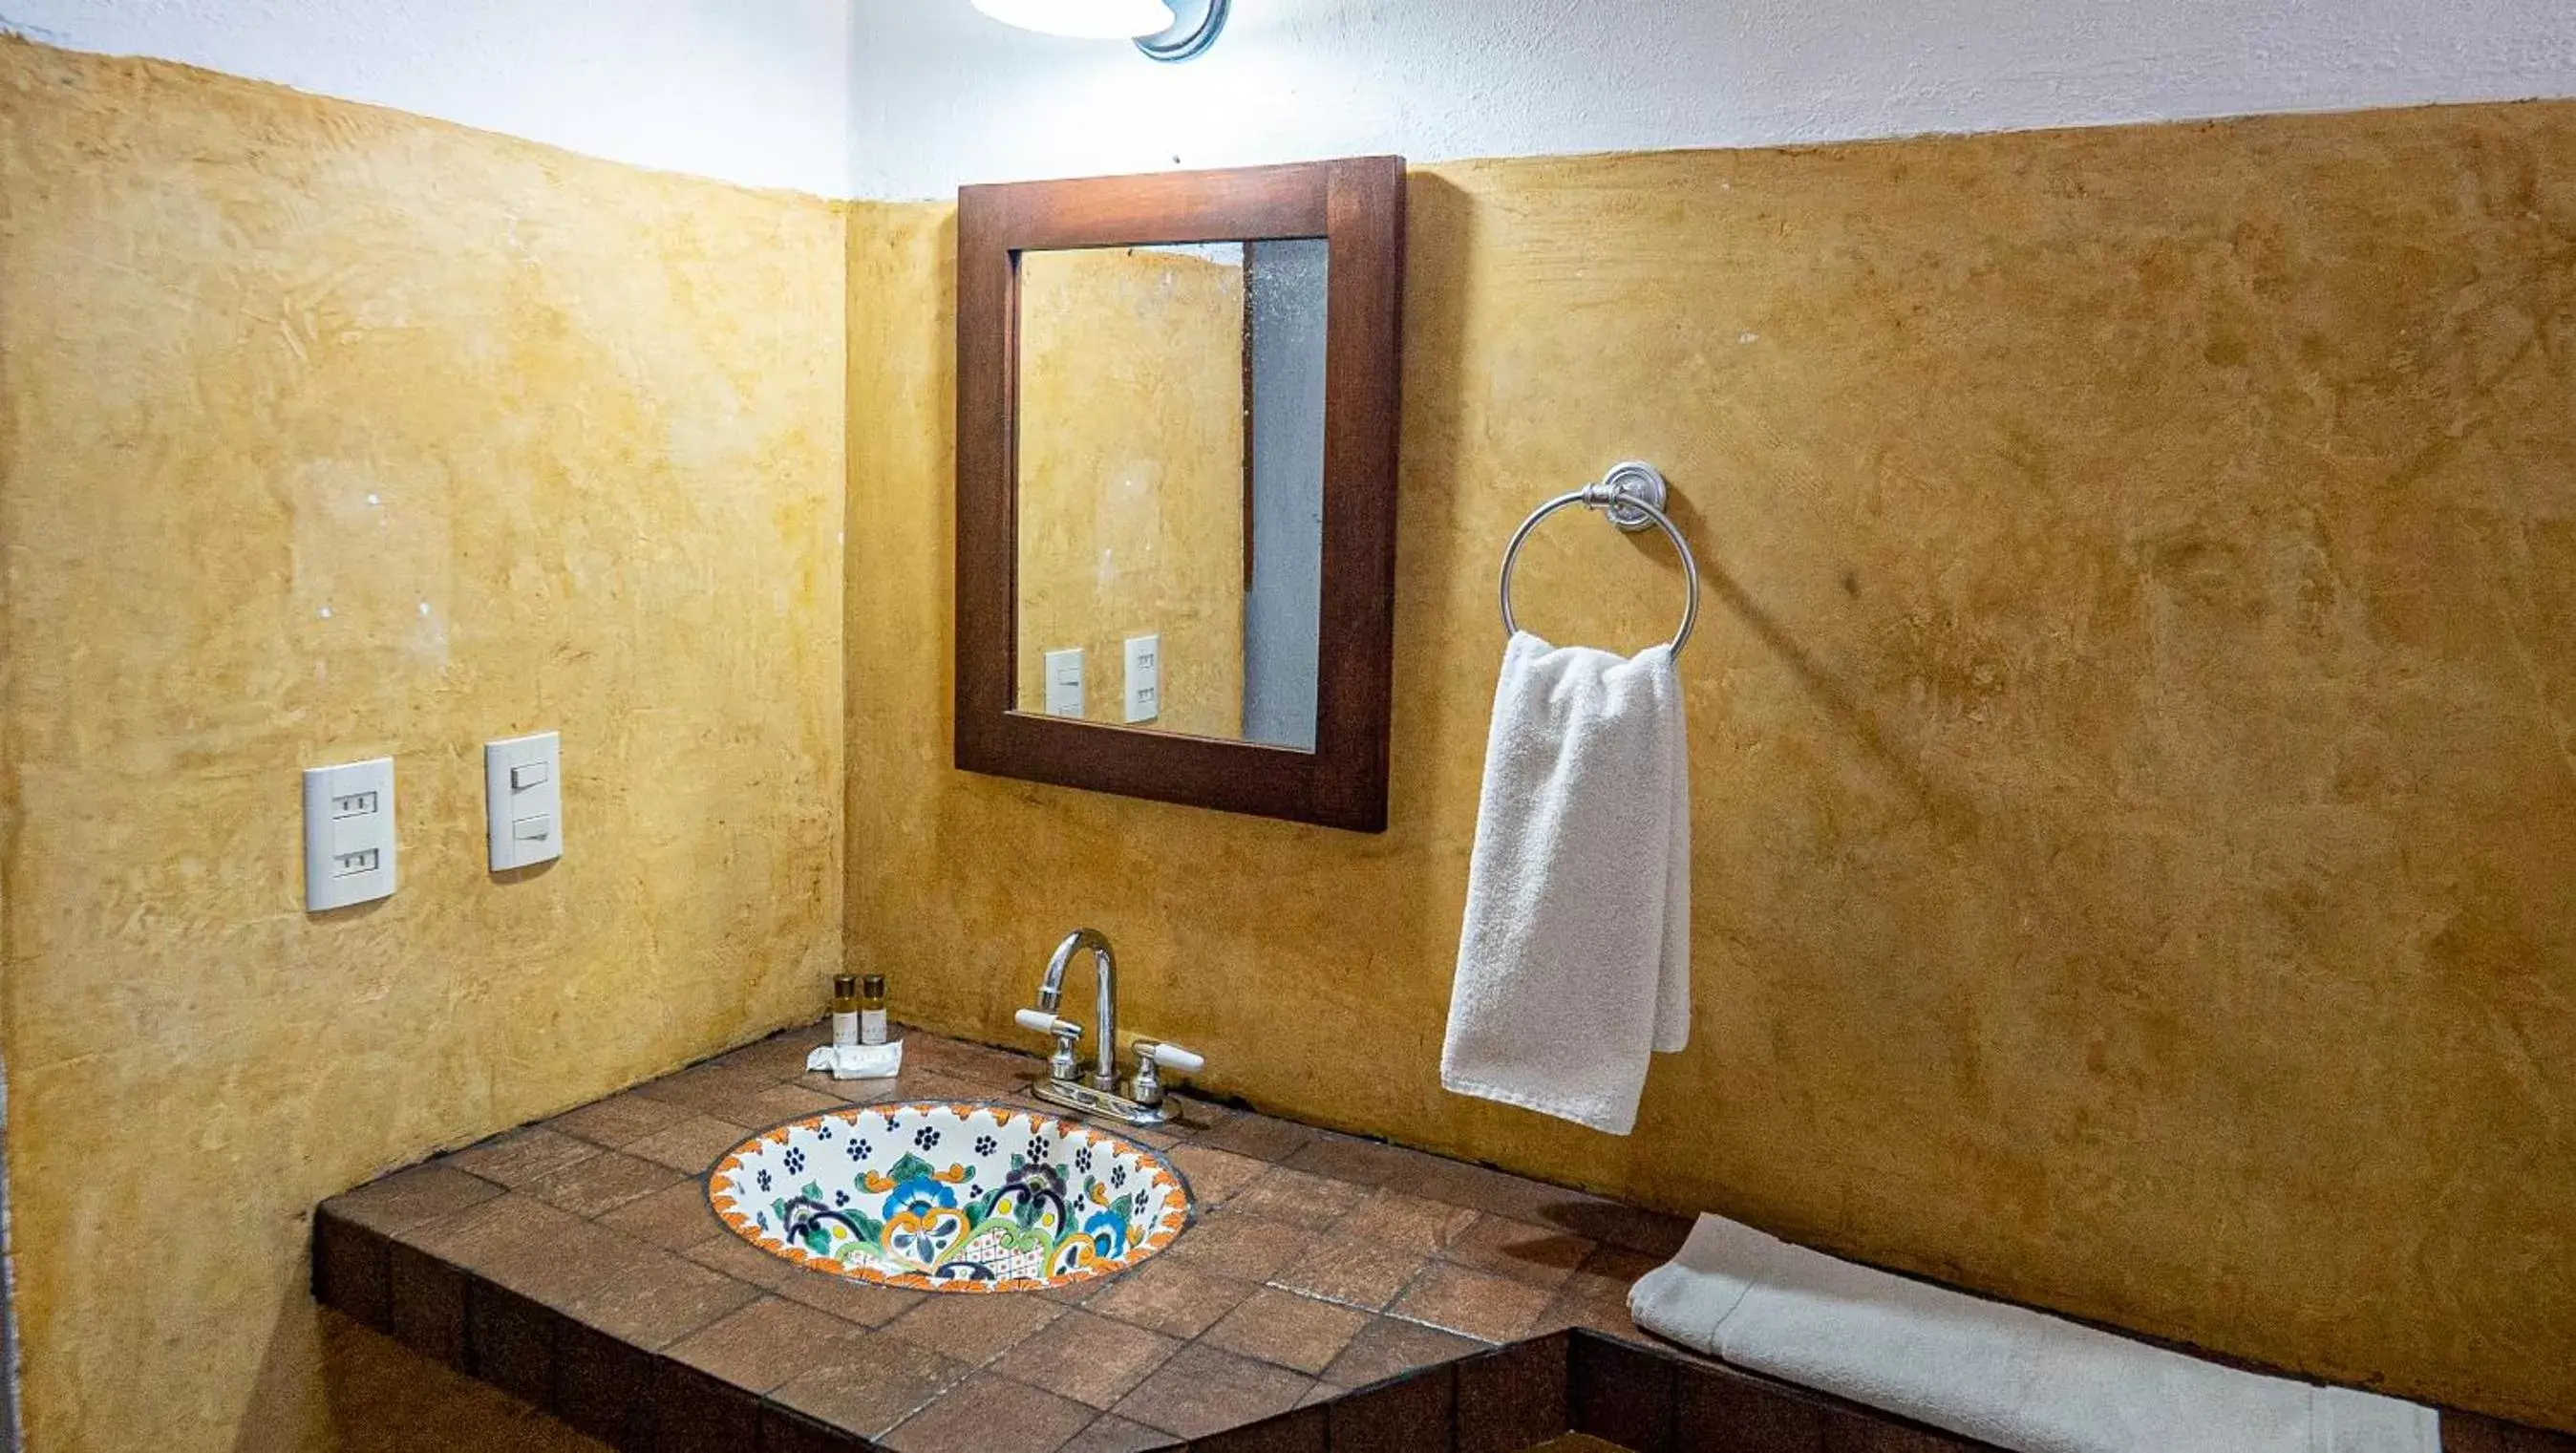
column 1633, row 494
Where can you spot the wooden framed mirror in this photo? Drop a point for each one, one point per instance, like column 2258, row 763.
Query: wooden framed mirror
column 1176, row 457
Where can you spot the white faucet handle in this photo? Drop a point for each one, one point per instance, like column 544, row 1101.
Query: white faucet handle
column 1176, row 1059
column 1044, row 1023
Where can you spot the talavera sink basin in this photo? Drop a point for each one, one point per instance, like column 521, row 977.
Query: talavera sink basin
column 950, row 1197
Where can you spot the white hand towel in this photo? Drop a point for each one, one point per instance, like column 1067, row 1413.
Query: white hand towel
column 2005, row 1375
column 1574, row 964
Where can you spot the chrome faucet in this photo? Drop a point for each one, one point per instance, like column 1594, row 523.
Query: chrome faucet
column 1098, row 1093
column 1104, row 973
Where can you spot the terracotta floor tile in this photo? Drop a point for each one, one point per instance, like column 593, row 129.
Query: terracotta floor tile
column 1510, row 1397
column 910, row 1086
column 1258, row 1136
column 618, row 1121
column 1193, row 1117
column 1396, row 1219
column 710, row 1089
column 1490, row 1308
column 1631, row 1228
column 526, row 1246
column 772, row 1340
column 781, row 1056
column 973, row 1328
column 896, row 1380
column 1090, row 1359
column 521, row 1157
column 1170, row 1297
column 1203, row 1390
column 1596, row 1295
column 691, row 1146
column 1388, row 1348
column 787, row 1102
column 409, row 1198
column 1364, row 1274
column 658, row 1302
column 989, row 1414
column 1074, row 1294
column 1215, row 1175
column 674, row 1218
column 1246, row 1247
column 1363, row 1162
column 1293, row 1331
column 865, row 1303
column 1499, row 1193
column 739, row 1259
column 596, row 1185
column 1539, row 1255
column 1298, row 1198
column 974, row 1063
column 1117, row 1435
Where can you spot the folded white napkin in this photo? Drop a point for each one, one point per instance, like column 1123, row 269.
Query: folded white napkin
column 2005, row 1375
column 1574, row 964
column 858, row 1061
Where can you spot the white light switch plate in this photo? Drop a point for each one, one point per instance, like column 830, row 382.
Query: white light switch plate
column 1144, row 677
column 523, row 799
column 1064, row 682
column 348, row 834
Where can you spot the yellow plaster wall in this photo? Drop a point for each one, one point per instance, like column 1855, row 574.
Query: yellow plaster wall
column 1131, row 478
column 331, row 432
column 2133, row 723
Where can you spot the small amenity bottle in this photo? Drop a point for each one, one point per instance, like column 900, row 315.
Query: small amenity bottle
column 872, row 1010
column 845, row 1011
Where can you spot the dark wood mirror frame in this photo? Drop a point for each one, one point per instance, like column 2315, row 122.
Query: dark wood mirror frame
column 1358, row 207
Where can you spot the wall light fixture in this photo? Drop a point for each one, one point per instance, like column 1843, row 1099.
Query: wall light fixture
column 1166, row 30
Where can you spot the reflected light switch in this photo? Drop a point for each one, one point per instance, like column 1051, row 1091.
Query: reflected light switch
column 1064, row 682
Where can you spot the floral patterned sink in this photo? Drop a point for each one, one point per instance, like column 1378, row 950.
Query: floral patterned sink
column 950, row 1197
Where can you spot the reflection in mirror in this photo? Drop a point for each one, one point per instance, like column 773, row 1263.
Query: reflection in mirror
column 1171, row 478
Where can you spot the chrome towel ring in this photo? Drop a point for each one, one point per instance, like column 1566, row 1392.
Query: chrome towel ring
column 1633, row 493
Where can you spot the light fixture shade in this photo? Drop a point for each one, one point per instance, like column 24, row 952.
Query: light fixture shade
column 1088, row 19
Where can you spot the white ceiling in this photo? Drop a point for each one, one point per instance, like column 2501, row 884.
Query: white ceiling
column 907, row 98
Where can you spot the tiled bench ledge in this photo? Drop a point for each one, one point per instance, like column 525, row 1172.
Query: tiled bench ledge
column 1336, row 1294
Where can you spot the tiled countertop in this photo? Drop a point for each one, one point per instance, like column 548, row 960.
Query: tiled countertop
column 1334, row 1293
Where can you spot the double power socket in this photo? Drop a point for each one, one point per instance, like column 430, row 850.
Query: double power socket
column 1144, row 681
column 349, row 852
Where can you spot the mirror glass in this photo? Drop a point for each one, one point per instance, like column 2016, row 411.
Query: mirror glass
column 1171, row 486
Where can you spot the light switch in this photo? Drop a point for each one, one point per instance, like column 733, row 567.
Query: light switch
column 348, row 834
column 523, row 799
column 1144, row 677
column 1064, row 682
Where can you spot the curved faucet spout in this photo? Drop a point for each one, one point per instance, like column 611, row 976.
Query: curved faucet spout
column 1104, row 966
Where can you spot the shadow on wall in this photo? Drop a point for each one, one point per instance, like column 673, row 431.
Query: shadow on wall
column 326, row 1382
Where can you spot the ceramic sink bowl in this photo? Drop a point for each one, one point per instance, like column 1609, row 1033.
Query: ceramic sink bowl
column 950, row 1197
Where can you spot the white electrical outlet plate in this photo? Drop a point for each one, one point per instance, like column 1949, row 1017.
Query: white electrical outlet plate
column 1064, row 682
column 348, row 834
column 1144, row 677
column 523, row 799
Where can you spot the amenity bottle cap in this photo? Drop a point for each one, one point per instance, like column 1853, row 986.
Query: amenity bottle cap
column 845, row 986
column 875, row 987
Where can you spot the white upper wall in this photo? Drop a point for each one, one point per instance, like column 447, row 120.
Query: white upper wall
column 752, row 91
column 908, row 98
column 942, row 95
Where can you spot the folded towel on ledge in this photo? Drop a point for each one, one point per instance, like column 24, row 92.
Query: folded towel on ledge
column 1574, row 964
column 2001, row 1374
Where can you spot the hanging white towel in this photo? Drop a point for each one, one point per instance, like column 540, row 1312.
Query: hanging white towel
column 1574, row 964
column 2001, row 1374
